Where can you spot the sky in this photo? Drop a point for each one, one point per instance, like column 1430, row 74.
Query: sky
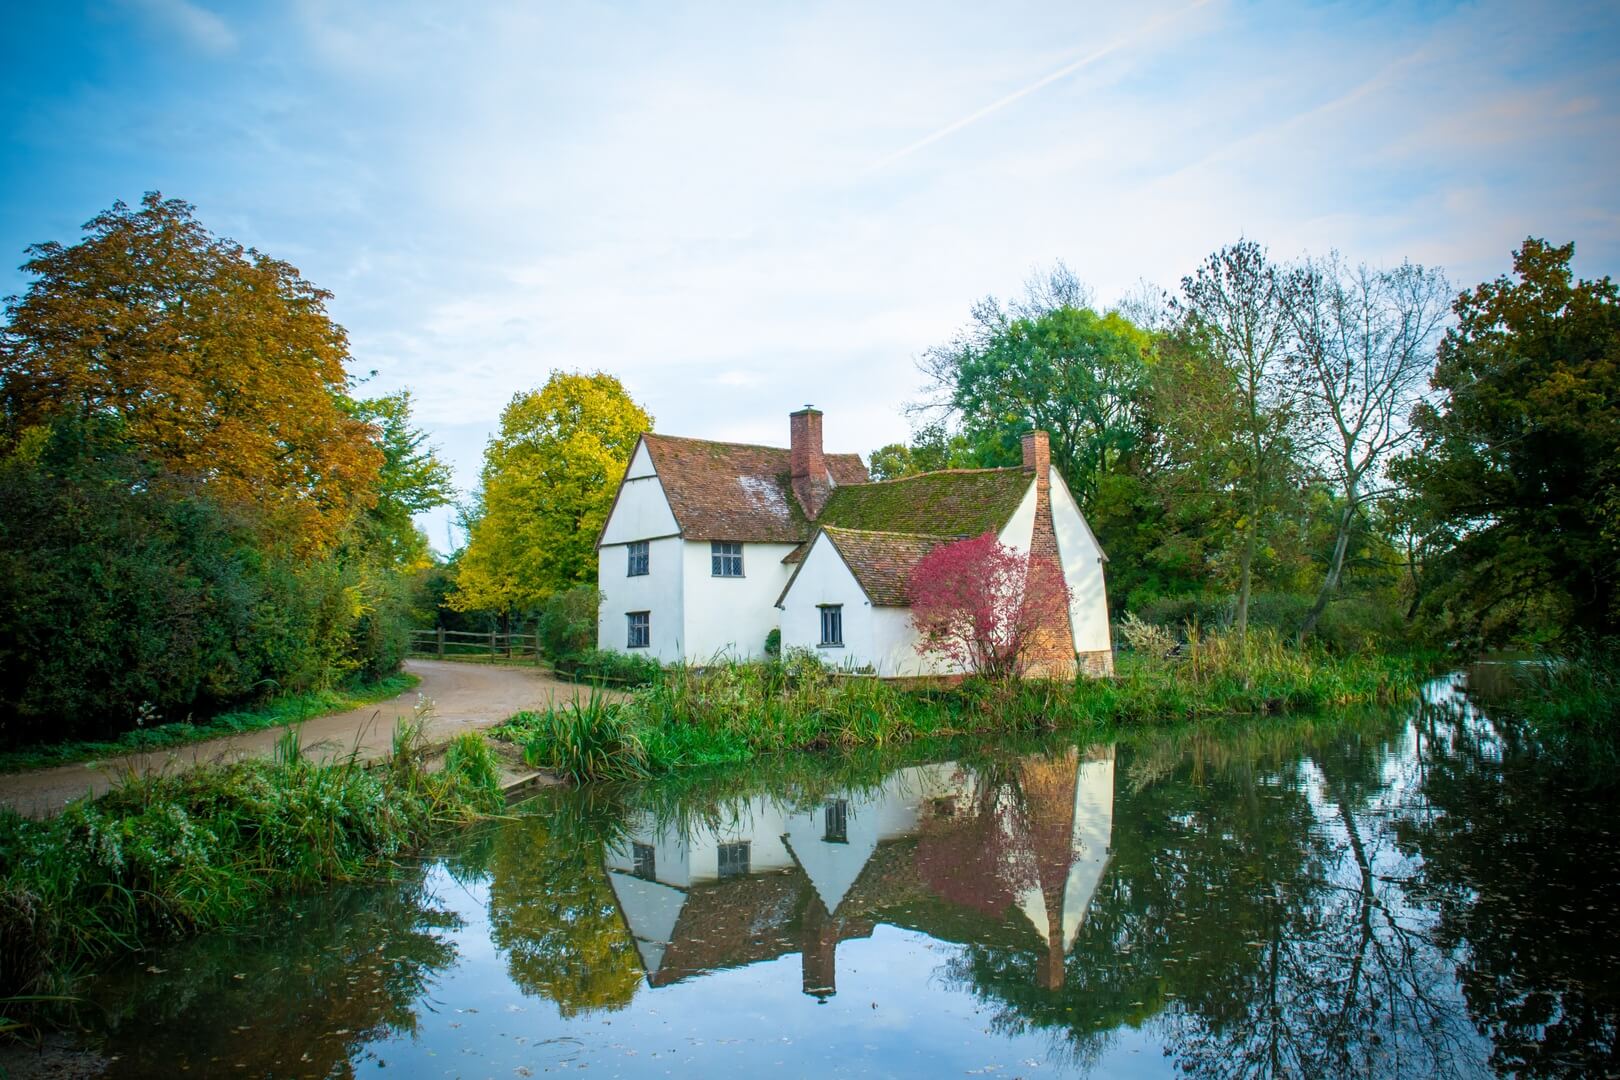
column 740, row 209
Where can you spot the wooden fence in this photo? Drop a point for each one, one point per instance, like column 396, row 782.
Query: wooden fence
column 494, row 645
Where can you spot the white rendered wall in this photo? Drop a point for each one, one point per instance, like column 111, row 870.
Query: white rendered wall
column 657, row 592
column 642, row 512
column 730, row 617
column 877, row 637
column 1083, row 569
column 1020, row 528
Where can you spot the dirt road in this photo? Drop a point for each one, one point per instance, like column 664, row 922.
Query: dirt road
column 464, row 696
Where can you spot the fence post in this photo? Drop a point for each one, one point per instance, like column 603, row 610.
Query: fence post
column 441, row 642
column 492, row 646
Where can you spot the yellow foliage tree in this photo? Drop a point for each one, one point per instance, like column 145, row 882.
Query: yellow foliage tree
column 548, row 483
column 219, row 363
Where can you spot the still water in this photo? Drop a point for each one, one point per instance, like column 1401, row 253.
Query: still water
column 1407, row 894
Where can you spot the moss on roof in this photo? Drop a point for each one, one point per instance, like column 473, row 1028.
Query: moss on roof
column 955, row 502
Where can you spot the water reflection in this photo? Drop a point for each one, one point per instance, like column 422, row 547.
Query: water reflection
column 1386, row 895
column 1012, row 852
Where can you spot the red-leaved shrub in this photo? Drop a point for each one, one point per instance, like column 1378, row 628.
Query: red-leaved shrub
column 985, row 606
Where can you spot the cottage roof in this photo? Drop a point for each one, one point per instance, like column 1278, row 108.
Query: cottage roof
column 882, row 561
column 952, row 502
column 738, row 492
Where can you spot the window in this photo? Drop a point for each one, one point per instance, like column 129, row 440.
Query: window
column 832, row 625
column 837, row 822
column 734, row 859
column 640, row 629
column 727, row 559
column 638, row 559
column 645, row 864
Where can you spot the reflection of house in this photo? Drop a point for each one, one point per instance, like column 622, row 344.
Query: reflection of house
column 1012, row 855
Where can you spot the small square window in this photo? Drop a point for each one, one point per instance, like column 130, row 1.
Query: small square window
column 640, row 635
column 836, row 818
column 645, row 861
column 726, row 559
column 832, row 625
column 638, row 559
column 734, row 859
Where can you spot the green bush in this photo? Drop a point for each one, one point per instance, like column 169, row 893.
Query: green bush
column 623, row 669
column 567, row 625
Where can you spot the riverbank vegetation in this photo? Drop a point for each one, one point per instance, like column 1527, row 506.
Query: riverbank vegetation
column 163, row 857
column 739, row 712
column 202, row 513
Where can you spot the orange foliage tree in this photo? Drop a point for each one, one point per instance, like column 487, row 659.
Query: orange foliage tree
column 219, row 362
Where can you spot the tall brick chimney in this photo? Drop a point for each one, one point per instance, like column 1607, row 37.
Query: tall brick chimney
column 811, row 484
column 1038, row 455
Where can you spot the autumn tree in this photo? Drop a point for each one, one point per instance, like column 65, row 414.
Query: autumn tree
column 548, row 482
column 219, row 363
column 985, row 606
column 1363, row 349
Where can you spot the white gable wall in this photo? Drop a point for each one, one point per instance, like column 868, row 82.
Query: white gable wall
column 641, row 513
column 730, row 617
column 1083, row 569
column 881, row 638
column 1019, row 531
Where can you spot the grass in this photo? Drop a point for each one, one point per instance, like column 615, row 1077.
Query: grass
column 277, row 712
column 164, row 857
column 737, row 713
column 1573, row 702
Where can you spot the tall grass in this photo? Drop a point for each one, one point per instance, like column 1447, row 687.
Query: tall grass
column 738, row 712
column 160, row 857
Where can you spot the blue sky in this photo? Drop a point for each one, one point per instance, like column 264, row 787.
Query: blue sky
column 742, row 208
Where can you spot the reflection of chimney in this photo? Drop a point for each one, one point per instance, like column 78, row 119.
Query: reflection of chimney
column 811, row 484
column 820, row 951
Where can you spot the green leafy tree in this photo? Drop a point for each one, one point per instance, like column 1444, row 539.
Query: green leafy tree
column 1519, row 467
column 412, row 479
column 548, row 483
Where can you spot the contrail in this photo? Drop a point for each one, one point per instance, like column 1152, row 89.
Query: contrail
column 1023, row 92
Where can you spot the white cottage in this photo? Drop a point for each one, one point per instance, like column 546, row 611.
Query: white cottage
column 709, row 546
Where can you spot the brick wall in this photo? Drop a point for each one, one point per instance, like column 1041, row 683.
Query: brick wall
column 1052, row 655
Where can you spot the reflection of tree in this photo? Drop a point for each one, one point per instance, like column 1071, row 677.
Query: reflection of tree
column 552, row 910
column 1518, row 857
column 299, row 996
column 1249, row 913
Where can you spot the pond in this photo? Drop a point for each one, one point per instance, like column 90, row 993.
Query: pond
column 1396, row 894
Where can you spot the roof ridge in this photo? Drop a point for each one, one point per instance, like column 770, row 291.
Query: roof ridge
column 712, row 442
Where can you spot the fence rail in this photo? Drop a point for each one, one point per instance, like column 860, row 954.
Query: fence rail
column 495, row 645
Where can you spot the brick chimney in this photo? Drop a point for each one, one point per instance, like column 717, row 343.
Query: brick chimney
column 811, row 484
column 1038, row 455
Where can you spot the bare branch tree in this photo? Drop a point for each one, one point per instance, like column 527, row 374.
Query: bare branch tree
column 1363, row 349
column 1238, row 297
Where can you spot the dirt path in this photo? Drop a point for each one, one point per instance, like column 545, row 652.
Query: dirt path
column 465, row 697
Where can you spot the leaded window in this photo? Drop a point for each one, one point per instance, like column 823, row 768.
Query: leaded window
column 832, row 624
column 640, row 632
column 734, row 859
column 638, row 559
column 726, row 559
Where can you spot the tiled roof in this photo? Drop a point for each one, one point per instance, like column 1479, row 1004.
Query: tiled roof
column 882, row 561
column 735, row 491
column 954, row 502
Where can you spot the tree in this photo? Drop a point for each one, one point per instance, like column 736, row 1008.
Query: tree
column 1519, row 461
column 985, row 606
column 1364, row 345
column 1049, row 362
column 219, row 363
column 548, row 483
column 1239, row 301
column 411, row 479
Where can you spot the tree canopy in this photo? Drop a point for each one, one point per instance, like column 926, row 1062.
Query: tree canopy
column 219, row 362
column 549, row 480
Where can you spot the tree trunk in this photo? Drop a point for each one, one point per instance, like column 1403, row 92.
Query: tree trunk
column 1330, row 583
column 1245, row 573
